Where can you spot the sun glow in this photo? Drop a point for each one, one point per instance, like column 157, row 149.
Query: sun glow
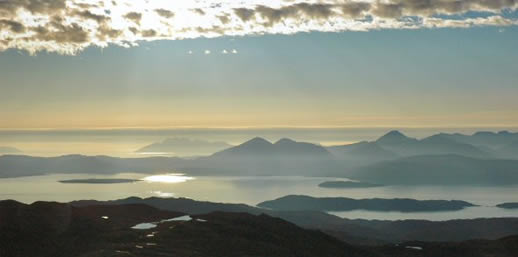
column 168, row 178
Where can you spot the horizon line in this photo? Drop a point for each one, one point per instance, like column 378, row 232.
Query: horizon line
column 143, row 128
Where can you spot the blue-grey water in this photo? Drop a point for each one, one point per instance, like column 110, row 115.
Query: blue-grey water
column 253, row 190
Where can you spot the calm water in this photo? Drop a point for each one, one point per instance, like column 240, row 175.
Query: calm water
column 253, row 190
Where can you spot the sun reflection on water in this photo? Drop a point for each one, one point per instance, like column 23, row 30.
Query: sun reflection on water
column 168, row 178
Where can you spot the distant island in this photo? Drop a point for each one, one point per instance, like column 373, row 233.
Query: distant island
column 508, row 205
column 184, row 147
column 308, row 203
column 9, row 150
column 99, row 181
column 347, row 184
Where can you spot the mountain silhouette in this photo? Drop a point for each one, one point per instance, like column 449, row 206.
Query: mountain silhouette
column 509, row 150
column 402, row 145
column 439, row 170
column 362, row 153
column 284, row 157
column 260, row 147
column 489, row 139
column 394, row 137
column 287, row 157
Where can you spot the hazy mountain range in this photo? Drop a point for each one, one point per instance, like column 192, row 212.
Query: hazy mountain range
column 482, row 158
column 184, row 147
column 9, row 150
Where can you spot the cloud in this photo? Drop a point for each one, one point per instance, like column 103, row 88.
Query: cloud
column 69, row 26
column 134, row 16
column 164, row 13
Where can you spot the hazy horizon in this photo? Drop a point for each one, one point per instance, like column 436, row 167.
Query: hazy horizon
column 125, row 142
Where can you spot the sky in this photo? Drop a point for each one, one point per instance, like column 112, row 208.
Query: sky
column 233, row 64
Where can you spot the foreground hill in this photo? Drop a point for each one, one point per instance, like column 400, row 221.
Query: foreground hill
column 439, row 170
column 47, row 229
column 183, row 205
column 56, row 229
column 355, row 231
column 504, row 247
column 53, row 229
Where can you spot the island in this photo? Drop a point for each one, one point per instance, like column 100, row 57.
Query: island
column 347, row 184
column 99, row 181
column 308, row 203
column 508, row 205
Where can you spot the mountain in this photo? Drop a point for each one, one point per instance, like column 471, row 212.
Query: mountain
column 439, row 144
column 9, row 150
column 184, row 147
column 361, row 153
column 394, row 138
column 61, row 230
column 402, row 145
column 308, row 203
column 509, row 150
column 439, row 170
column 486, row 138
column 284, row 157
column 261, row 148
column 395, row 144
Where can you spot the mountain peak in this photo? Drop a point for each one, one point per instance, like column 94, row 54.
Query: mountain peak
column 285, row 141
column 257, row 140
column 393, row 136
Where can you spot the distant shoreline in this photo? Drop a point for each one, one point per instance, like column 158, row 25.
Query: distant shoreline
column 99, row 181
column 347, row 184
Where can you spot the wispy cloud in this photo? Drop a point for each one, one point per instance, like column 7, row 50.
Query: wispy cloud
column 69, row 26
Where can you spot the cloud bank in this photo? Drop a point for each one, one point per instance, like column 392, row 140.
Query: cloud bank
column 69, row 26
